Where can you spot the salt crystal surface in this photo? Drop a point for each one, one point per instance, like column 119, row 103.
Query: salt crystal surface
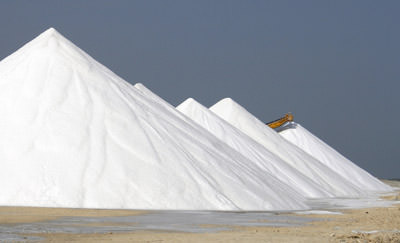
column 74, row 134
column 251, row 149
column 221, row 146
column 314, row 146
column 322, row 175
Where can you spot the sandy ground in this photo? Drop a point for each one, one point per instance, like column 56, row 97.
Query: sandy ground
column 348, row 227
column 361, row 225
column 14, row 215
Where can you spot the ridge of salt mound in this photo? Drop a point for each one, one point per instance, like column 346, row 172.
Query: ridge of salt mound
column 304, row 139
column 250, row 148
column 74, row 134
column 240, row 118
column 168, row 107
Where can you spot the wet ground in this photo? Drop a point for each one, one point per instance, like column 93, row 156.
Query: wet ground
column 183, row 221
column 178, row 221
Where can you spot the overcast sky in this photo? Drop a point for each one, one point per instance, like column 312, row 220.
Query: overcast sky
column 334, row 64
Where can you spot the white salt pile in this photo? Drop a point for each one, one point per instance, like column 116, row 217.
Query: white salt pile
column 251, row 149
column 314, row 146
column 74, row 134
column 305, row 163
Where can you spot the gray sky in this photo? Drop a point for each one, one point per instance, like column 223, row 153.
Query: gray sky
column 334, row 64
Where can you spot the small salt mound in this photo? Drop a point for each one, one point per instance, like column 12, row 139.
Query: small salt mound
column 296, row 157
column 250, row 148
column 314, row 146
column 74, row 134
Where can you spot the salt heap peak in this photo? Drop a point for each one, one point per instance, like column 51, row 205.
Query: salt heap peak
column 74, row 134
column 307, row 141
column 322, row 175
column 256, row 153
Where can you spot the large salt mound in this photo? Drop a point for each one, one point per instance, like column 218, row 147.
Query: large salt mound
column 250, row 148
column 240, row 118
column 74, row 134
column 307, row 141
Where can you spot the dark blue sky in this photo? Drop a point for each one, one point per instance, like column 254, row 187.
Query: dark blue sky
column 334, row 64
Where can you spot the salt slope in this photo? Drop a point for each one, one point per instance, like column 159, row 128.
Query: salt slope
column 251, row 149
column 307, row 141
column 239, row 117
column 265, row 173
column 74, row 134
